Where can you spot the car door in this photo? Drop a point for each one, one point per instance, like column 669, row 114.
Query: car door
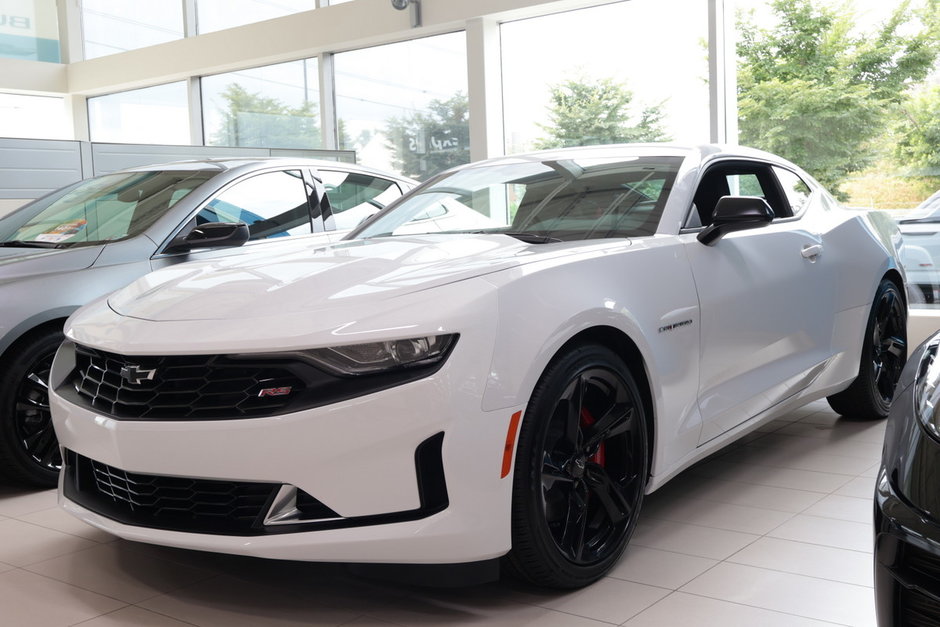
column 276, row 205
column 766, row 296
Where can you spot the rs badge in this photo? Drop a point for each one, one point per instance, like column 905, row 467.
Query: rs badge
column 284, row 391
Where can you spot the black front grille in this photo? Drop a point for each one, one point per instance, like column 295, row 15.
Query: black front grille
column 917, row 609
column 183, row 386
column 174, row 503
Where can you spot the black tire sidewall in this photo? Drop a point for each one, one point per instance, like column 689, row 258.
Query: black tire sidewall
column 15, row 462
column 867, row 366
column 535, row 555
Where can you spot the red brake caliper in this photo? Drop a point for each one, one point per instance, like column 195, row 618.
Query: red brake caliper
column 586, row 420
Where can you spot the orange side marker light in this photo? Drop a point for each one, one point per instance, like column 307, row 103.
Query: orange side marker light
column 510, row 443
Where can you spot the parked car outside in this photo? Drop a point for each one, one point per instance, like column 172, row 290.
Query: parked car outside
column 78, row 243
column 907, row 498
column 500, row 391
column 921, row 251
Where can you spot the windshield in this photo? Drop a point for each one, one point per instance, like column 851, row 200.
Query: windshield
column 552, row 200
column 927, row 211
column 105, row 208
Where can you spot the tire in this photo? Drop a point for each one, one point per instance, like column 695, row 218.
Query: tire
column 884, row 352
column 29, row 450
column 578, row 487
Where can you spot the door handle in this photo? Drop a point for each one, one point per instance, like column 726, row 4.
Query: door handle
column 811, row 251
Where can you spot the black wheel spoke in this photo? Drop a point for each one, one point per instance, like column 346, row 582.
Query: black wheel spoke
column 33, row 421
column 552, row 472
column 617, row 420
column 574, row 402
column 608, row 493
column 572, row 537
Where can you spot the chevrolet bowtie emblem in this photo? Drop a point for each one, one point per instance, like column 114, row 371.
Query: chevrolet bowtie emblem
column 134, row 375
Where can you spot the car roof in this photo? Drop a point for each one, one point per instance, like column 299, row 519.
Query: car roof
column 222, row 164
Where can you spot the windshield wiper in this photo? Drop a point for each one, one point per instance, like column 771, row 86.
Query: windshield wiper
column 530, row 238
column 932, row 220
column 19, row 243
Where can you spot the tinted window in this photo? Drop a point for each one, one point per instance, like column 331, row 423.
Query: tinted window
column 736, row 179
column 796, row 191
column 355, row 196
column 564, row 199
column 273, row 204
column 105, row 208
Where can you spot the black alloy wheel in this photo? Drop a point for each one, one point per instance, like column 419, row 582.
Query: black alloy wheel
column 581, row 470
column 29, row 449
column 884, row 353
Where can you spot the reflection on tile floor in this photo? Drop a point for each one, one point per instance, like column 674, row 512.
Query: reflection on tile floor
column 775, row 530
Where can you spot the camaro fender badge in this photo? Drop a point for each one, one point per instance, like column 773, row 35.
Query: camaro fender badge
column 283, row 391
column 134, row 375
column 675, row 325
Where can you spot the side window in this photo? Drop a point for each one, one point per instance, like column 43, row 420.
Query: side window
column 273, row 204
column 794, row 188
column 736, row 179
column 355, row 196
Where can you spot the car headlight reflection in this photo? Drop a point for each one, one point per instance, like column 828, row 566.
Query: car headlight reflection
column 375, row 357
column 927, row 388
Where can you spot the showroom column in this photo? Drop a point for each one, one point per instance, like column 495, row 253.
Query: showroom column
column 485, row 86
column 722, row 74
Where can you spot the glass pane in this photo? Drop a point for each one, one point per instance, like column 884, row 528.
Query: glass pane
column 561, row 200
column 35, row 117
column 155, row 115
column 618, row 73
column 105, row 208
column 850, row 93
column 276, row 106
column 272, row 205
column 796, row 190
column 29, row 29
column 212, row 15
column 354, row 196
column 403, row 106
column 111, row 26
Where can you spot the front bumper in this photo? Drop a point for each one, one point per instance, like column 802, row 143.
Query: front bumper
column 907, row 530
column 360, row 458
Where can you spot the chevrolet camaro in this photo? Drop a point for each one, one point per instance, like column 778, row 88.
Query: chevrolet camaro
column 495, row 369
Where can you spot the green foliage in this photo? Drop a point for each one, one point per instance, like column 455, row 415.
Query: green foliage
column 587, row 112
column 813, row 91
column 917, row 132
column 250, row 119
column 427, row 142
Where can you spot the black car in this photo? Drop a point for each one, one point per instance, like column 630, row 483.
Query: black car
column 907, row 498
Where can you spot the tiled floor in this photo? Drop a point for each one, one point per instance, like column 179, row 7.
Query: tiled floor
column 775, row 531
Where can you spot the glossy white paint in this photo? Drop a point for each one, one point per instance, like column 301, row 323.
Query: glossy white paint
column 730, row 336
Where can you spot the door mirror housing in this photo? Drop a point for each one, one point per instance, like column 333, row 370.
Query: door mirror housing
column 211, row 235
column 736, row 213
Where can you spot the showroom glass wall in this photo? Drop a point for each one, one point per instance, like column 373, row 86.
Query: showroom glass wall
column 155, row 115
column 404, row 106
column 29, row 30
column 605, row 76
column 276, row 106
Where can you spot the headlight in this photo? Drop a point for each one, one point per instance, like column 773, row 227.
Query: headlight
column 927, row 388
column 375, row 357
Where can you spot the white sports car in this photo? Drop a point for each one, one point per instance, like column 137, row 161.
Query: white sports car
column 508, row 388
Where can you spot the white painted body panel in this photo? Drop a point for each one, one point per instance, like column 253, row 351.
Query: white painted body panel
column 728, row 342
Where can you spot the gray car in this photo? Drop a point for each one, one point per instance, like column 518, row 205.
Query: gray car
column 88, row 239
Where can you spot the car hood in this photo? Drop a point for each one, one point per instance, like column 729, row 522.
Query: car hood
column 18, row 263
column 308, row 278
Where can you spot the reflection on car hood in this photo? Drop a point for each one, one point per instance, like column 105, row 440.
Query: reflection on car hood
column 17, row 263
column 306, row 279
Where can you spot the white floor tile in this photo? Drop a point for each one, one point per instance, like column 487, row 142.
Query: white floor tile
column 31, row 599
column 688, row 609
column 814, row 598
column 15, row 502
column 841, row 534
column 776, row 477
column 133, row 617
column 860, row 487
column 688, row 539
column 609, row 600
column 813, row 560
column 22, row 543
column 744, row 518
column 118, row 571
column 754, row 495
column 664, row 569
column 843, row 508
column 56, row 518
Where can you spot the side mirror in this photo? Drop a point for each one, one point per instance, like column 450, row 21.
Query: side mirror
column 211, row 235
column 736, row 213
